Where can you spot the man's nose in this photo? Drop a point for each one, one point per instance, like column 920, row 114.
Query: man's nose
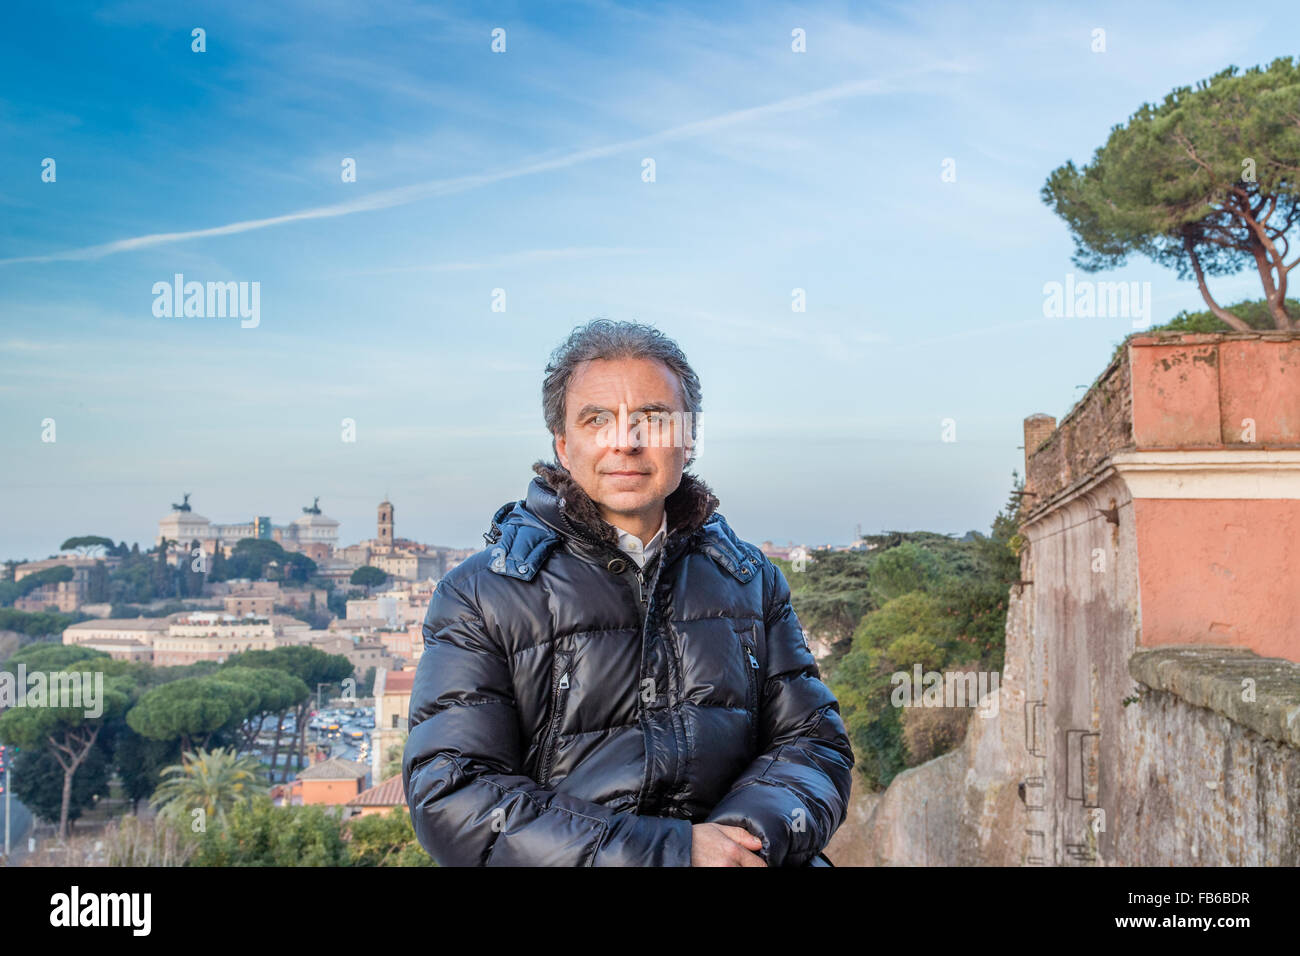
column 627, row 438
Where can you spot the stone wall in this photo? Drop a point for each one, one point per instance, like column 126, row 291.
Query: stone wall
column 1098, row 425
column 1194, row 776
column 1214, row 772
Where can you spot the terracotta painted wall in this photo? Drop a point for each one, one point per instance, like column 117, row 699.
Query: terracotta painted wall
column 1220, row 571
column 331, row 792
column 1196, row 392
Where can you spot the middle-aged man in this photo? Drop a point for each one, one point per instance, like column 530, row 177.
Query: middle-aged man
column 617, row 679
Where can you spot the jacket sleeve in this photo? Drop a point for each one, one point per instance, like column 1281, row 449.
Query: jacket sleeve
column 795, row 794
column 471, row 803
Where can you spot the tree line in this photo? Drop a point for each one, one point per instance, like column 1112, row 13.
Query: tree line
column 152, row 716
column 907, row 598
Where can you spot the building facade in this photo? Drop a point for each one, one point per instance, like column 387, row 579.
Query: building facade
column 314, row 534
column 392, row 711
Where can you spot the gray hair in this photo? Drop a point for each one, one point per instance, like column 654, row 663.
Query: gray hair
column 607, row 339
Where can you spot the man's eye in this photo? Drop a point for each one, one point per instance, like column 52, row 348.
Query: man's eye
column 599, row 419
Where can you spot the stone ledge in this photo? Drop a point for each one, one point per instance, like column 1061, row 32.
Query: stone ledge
column 1211, row 677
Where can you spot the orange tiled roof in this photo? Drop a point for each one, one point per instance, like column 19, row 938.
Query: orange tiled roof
column 334, row 769
column 399, row 682
column 390, row 793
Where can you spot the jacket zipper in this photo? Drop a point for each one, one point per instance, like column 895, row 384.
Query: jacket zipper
column 661, row 560
column 750, row 663
column 640, row 587
column 642, row 597
column 559, row 696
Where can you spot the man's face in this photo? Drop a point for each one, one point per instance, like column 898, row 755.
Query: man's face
column 627, row 471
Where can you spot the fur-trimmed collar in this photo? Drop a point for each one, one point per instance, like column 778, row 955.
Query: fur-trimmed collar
column 688, row 507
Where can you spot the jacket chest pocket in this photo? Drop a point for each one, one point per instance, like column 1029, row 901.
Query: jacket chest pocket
column 749, row 663
column 561, row 679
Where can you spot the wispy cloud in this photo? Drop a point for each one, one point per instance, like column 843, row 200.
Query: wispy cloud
column 26, row 345
column 405, row 195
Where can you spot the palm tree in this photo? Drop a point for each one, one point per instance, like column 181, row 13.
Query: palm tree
column 212, row 780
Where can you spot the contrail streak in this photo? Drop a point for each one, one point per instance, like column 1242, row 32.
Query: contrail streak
column 405, row 195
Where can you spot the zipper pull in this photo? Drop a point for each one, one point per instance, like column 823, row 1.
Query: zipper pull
column 564, row 680
column 752, row 661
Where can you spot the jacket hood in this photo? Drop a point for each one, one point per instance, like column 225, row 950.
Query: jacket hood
column 526, row 532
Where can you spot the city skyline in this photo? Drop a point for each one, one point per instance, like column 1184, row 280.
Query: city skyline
column 229, row 532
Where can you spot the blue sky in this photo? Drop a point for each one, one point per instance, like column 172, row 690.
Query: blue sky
column 522, row 170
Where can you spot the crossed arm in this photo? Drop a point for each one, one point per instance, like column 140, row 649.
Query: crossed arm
column 471, row 804
column 795, row 794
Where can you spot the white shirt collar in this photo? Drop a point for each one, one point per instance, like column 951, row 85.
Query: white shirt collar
column 631, row 545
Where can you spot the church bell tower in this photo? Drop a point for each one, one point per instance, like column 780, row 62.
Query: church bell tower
column 385, row 537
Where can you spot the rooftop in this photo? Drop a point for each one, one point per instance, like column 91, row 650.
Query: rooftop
column 336, row 768
column 122, row 624
column 399, row 682
column 390, row 793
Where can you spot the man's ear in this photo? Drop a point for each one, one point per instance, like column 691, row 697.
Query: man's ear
column 560, row 456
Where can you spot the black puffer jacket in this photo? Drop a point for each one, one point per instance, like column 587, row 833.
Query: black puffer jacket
column 569, row 711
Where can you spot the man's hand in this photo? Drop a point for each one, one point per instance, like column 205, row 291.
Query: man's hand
column 714, row 844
